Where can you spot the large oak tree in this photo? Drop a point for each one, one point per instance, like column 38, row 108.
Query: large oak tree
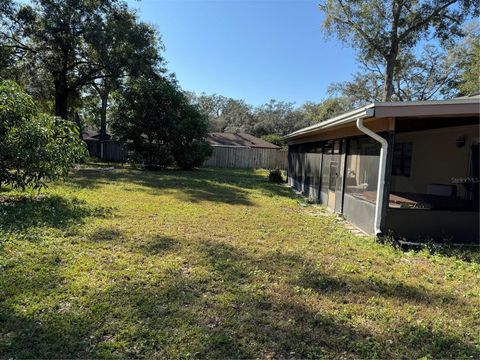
column 75, row 44
column 384, row 29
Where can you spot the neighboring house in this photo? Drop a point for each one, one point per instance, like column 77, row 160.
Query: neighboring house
column 109, row 149
column 93, row 135
column 241, row 150
column 408, row 169
column 239, row 140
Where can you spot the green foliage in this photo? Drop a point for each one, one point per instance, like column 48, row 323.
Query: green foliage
column 34, row 148
column 53, row 35
column 162, row 128
column 126, row 47
column 277, row 117
column 386, row 33
column 326, row 109
column 270, row 121
column 275, row 176
column 274, row 139
column 59, row 48
column 468, row 55
column 237, row 116
column 229, row 115
column 212, row 106
column 429, row 74
column 191, row 154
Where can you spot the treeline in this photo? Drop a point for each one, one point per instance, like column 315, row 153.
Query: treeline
column 271, row 121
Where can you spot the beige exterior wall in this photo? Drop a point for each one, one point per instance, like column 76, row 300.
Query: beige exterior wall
column 436, row 158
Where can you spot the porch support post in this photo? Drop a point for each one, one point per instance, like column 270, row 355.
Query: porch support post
column 381, row 173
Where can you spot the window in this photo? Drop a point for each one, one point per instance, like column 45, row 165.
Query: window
column 402, row 159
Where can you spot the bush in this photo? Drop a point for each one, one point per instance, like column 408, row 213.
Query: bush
column 274, row 139
column 34, row 148
column 160, row 125
column 192, row 155
column 275, row 176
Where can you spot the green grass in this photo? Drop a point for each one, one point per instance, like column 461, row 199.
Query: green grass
column 218, row 264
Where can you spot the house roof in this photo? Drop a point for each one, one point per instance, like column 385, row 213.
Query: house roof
column 88, row 134
column 238, row 140
column 381, row 110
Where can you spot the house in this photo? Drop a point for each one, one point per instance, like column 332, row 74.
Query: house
column 109, row 150
column 88, row 134
column 409, row 169
column 241, row 150
column 243, row 140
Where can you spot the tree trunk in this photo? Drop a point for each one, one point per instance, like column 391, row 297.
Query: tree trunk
column 61, row 96
column 391, row 59
column 79, row 123
column 103, row 121
column 388, row 81
column 61, row 85
column 103, row 117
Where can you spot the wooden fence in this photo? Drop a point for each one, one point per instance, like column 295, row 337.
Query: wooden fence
column 222, row 157
column 247, row 158
column 115, row 151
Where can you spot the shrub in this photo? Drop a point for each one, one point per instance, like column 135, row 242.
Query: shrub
column 275, row 176
column 34, row 148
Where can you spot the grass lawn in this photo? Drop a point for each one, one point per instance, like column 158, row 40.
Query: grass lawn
column 219, row 264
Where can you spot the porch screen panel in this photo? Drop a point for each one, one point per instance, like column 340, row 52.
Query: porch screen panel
column 325, row 171
column 298, row 169
column 294, row 169
column 301, row 169
column 291, row 168
column 307, row 170
column 313, row 164
column 361, row 177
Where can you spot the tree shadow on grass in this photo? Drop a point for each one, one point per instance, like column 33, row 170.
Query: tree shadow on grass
column 288, row 328
column 214, row 185
column 19, row 213
column 223, row 311
column 42, row 331
column 160, row 245
column 106, row 234
column 303, row 273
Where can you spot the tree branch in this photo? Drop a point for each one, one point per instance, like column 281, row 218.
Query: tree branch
column 425, row 21
column 355, row 26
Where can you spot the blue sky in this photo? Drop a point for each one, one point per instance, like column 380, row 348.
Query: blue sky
column 251, row 50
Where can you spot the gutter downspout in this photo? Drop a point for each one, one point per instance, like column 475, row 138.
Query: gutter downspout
column 381, row 172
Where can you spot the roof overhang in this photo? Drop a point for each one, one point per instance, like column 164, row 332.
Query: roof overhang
column 382, row 110
column 364, row 112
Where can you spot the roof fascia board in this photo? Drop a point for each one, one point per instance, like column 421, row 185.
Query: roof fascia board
column 430, row 109
column 473, row 100
column 364, row 112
